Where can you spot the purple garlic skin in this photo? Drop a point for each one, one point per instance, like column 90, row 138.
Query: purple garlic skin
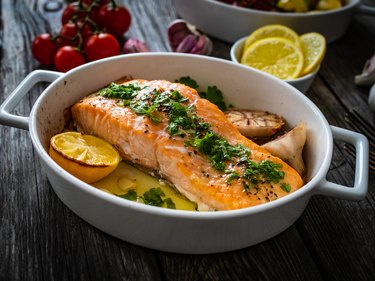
column 185, row 38
column 133, row 45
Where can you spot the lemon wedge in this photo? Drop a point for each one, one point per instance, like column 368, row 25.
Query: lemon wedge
column 272, row 30
column 277, row 56
column 313, row 47
column 87, row 157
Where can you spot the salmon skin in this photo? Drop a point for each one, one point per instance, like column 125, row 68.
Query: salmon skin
column 169, row 131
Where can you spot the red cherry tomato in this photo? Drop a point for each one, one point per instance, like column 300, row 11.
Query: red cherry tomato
column 68, row 57
column 74, row 11
column 115, row 20
column 68, row 35
column 100, row 46
column 44, row 48
column 71, row 32
column 86, row 30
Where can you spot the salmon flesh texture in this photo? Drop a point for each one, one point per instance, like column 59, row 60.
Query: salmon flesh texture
column 148, row 144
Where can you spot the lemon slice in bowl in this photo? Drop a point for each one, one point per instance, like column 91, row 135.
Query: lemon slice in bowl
column 276, row 56
column 87, row 157
column 313, row 47
column 272, row 30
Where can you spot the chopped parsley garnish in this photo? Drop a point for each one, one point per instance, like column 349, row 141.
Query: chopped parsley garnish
column 130, row 195
column 154, row 196
column 125, row 92
column 246, row 186
column 151, row 197
column 212, row 94
column 286, row 187
column 218, row 150
column 180, row 119
column 232, row 176
column 183, row 121
column 170, row 204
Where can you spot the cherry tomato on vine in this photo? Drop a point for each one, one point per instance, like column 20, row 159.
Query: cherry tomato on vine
column 68, row 57
column 44, row 48
column 100, row 46
column 114, row 19
column 86, row 30
column 68, row 35
column 73, row 34
column 75, row 11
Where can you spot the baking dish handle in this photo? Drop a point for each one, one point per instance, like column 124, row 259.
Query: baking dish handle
column 366, row 10
column 8, row 119
column 359, row 190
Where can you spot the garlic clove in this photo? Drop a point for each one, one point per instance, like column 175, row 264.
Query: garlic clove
column 133, row 45
column 289, row 147
column 367, row 77
column 177, row 31
column 203, row 46
column 185, row 38
column 187, row 44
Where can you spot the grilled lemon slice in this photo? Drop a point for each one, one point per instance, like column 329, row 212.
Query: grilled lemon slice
column 87, row 157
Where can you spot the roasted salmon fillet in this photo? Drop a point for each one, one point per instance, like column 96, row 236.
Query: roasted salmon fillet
column 168, row 130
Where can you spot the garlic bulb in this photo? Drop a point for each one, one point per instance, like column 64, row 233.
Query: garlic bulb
column 185, row 38
column 367, row 77
column 133, row 45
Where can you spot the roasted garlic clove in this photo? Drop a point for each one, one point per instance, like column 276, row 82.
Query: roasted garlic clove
column 133, row 45
column 255, row 123
column 185, row 38
column 289, row 148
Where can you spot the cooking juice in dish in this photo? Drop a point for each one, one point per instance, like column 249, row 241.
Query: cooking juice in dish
column 133, row 184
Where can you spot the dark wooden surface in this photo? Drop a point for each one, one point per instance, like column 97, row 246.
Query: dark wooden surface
column 41, row 239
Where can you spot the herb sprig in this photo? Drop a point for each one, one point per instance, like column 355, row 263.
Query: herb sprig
column 212, row 94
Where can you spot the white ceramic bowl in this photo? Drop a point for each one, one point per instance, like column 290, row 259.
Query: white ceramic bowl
column 302, row 83
column 176, row 230
column 230, row 23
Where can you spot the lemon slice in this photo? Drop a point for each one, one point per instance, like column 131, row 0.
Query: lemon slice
column 276, row 56
column 313, row 47
column 87, row 157
column 273, row 30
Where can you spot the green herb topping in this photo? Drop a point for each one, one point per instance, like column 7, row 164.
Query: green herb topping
column 185, row 123
column 286, row 187
column 153, row 197
column 213, row 94
column 130, row 195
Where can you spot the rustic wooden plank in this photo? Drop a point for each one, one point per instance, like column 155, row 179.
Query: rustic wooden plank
column 283, row 257
column 20, row 239
column 108, row 258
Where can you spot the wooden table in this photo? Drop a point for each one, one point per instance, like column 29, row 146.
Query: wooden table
column 41, row 239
